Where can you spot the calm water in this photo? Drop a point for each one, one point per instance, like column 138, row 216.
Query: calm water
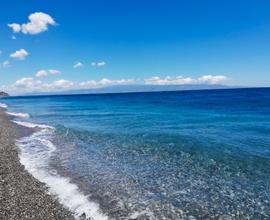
column 171, row 155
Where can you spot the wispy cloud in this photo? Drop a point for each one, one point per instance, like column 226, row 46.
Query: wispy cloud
column 19, row 54
column 98, row 64
column 77, row 65
column 6, row 64
column 38, row 23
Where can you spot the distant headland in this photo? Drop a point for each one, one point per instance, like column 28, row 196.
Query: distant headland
column 3, row 94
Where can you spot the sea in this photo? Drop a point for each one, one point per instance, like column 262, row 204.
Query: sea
column 157, row 155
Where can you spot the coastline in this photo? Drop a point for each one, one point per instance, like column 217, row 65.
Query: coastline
column 100, row 163
column 21, row 195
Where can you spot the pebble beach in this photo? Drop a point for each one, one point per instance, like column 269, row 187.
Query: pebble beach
column 21, row 195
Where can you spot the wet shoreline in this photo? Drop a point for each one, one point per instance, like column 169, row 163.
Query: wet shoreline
column 21, row 195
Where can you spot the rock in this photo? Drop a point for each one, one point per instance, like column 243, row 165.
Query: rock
column 3, row 94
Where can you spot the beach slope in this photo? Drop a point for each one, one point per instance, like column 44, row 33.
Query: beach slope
column 21, row 195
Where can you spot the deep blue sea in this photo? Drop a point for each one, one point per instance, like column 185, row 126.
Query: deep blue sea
column 163, row 155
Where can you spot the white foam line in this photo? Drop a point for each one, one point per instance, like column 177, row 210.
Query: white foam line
column 35, row 153
column 19, row 115
column 32, row 125
column 3, row 105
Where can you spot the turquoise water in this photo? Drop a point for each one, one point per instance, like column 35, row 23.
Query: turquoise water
column 167, row 155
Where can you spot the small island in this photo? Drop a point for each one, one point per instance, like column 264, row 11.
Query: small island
column 3, row 94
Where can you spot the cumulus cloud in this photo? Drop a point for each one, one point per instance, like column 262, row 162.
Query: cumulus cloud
column 88, row 84
column 98, row 64
column 38, row 23
column 29, row 84
column 156, row 80
column 6, row 64
column 212, row 79
column 43, row 73
column 19, row 54
column 105, row 82
column 180, row 80
column 78, row 65
column 61, row 84
column 16, row 28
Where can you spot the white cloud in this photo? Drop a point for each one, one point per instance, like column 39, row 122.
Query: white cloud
column 212, row 79
column 156, row 80
column 16, row 28
column 30, row 84
column 180, row 80
column 19, row 54
column 101, row 64
column 98, row 64
column 88, row 84
column 43, row 73
column 54, row 72
column 61, row 84
column 105, row 82
column 27, row 82
column 78, row 65
column 38, row 22
column 6, row 63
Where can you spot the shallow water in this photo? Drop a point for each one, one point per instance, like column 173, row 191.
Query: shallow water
column 171, row 155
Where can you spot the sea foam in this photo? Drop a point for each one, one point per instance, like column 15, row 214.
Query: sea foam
column 3, row 105
column 35, row 153
column 32, row 125
column 18, row 115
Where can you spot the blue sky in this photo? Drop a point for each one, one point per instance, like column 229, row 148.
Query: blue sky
column 163, row 42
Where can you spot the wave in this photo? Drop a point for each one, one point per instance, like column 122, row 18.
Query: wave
column 19, row 115
column 35, row 153
column 3, row 105
column 33, row 125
